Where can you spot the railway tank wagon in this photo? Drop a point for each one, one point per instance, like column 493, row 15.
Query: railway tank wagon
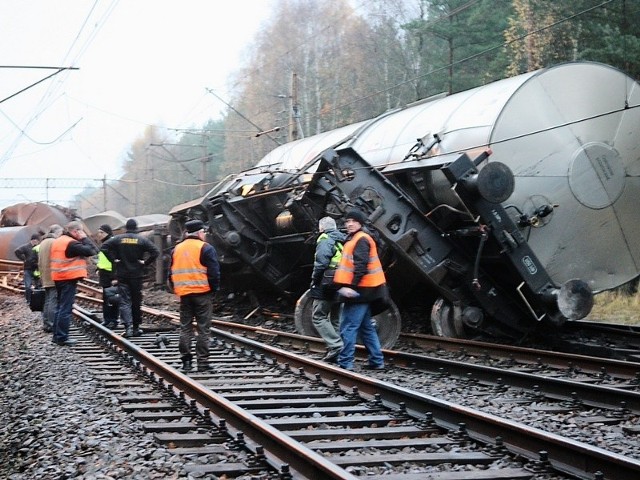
column 18, row 222
column 501, row 208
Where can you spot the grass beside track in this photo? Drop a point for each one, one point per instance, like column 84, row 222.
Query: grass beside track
column 615, row 307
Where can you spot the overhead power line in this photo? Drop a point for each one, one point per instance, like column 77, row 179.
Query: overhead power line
column 49, row 182
column 60, row 69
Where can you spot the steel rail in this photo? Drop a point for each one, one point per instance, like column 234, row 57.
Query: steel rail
column 591, row 394
column 572, row 457
column 568, row 456
column 279, row 448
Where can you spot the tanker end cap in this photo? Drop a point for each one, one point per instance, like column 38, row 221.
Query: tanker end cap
column 495, row 182
column 575, row 299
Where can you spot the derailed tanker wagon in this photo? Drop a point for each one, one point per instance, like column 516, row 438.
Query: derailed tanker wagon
column 502, row 208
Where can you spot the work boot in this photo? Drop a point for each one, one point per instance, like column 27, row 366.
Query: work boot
column 128, row 332
column 332, row 355
column 137, row 332
column 187, row 364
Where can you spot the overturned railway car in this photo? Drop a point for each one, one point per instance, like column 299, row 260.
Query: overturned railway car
column 500, row 209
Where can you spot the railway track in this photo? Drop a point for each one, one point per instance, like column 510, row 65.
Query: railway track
column 323, row 409
column 454, row 427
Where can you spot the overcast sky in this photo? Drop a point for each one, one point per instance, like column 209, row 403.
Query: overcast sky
column 139, row 62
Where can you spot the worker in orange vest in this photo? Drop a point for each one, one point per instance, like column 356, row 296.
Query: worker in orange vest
column 361, row 280
column 195, row 277
column 68, row 265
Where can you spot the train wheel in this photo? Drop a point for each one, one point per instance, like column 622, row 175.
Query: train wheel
column 388, row 323
column 446, row 319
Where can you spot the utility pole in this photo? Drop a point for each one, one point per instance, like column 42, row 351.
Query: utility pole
column 135, row 190
column 295, row 128
column 104, row 193
column 203, row 166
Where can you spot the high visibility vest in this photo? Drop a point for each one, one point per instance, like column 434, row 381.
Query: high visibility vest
column 36, row 272
column 187, row 273
column 63, row 268
column 344, row 274
column 103, row 262
column 337, row 255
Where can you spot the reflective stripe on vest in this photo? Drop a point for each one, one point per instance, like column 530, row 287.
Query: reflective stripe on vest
column 187, row 273
column 337, row 255
column 63, row 268
column 346, row 269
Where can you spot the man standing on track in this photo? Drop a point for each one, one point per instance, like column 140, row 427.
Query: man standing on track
column 29, row 257
column 106, row 278
column 362, row 282
column 195, row 277
column 68, row 265
column 44, row 266
column 129, row 253
column 327, row 256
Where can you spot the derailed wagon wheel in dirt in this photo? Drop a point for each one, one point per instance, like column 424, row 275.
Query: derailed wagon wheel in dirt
column 388, row 323
column 446, row 319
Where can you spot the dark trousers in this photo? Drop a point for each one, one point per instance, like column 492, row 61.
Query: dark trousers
column 49, row 309
column 109, row 312
column 66, row 290
column 130, row 290
column 30, row 281
column 200, row 307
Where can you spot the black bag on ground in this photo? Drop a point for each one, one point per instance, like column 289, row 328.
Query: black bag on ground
column 36, row 304
column 112, row 295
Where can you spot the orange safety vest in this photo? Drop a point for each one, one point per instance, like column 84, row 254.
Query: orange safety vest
column 63, row 268
column 187, row 273
column 345, row 271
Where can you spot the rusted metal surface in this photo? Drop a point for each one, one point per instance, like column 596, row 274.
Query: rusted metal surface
column 36, row 214
column 18, row 222
column 12, row 238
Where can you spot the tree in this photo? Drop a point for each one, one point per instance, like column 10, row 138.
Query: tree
column 545, row 32
column 459, row 42
column 352, row 63
column 329, row 49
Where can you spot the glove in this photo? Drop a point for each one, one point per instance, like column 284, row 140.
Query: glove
column 348, row 292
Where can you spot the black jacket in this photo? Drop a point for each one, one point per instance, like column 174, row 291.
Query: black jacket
column 128, row 253
column 28, row 255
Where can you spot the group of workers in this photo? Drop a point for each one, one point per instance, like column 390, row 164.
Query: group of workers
column 59, row 260
column 347, row 275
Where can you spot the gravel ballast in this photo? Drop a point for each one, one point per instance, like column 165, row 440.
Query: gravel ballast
column 58, row 422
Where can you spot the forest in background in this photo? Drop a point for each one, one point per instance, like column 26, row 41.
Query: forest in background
column 319, row 65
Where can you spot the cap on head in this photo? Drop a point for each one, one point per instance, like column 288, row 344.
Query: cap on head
column 193, row 226
column 131, row 225
column 35, row 236
column 356, row 215
column 326, row 223
column 106, row 229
